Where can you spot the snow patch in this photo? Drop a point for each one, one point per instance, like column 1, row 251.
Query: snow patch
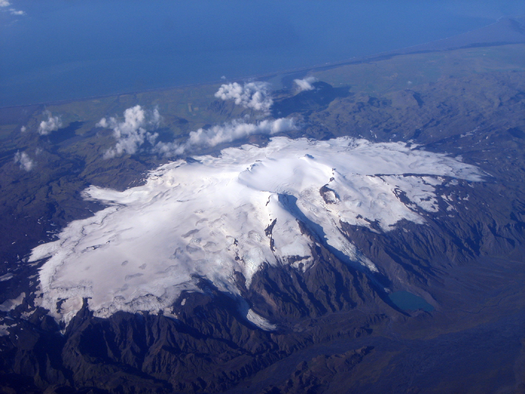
column 9, row 305
column 260, row 321
column 6, row 277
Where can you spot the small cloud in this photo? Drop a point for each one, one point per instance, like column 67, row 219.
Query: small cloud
column 137, row 128
column 305, row 84
column 23, row 129
column 155, row 118
column 5, row 3
column 228, row 132
column 53, row 123
column 133, row 131
column 25, row 161
column 223, row 77
column 254, row 95
column 102, row 123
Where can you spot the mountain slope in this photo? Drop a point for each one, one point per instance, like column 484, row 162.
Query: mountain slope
column 457, row 242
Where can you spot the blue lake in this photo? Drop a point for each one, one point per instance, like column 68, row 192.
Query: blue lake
column 62, row 50
column 410, row 302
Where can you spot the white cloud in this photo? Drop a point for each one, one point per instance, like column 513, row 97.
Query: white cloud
column 25, row 161
column 205, row 138
column 136, row 129
column 16, row 12
column 155, row 118
column 305, row 84
column 5, row 3
column 23, row 129
column 133, row 131
column 53, row 123
column 254, row 95
column 102, row 123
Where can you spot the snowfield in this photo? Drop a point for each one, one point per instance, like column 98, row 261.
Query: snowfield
column 235, row 212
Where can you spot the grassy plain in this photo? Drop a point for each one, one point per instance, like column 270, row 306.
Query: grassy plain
column 407, row 71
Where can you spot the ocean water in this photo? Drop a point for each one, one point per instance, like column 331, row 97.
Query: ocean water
column 71, row 49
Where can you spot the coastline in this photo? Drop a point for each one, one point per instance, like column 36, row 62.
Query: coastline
column 428, row 47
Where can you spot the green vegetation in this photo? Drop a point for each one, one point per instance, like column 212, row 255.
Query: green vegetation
column 407, row 71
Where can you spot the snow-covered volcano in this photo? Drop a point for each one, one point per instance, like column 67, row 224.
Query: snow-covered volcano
column 235, row 212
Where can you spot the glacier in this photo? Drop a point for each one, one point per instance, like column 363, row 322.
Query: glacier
column 217, row 215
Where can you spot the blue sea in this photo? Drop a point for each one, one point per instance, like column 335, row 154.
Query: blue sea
column 72, row 49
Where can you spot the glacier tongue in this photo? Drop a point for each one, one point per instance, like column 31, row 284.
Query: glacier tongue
column 230, row 213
